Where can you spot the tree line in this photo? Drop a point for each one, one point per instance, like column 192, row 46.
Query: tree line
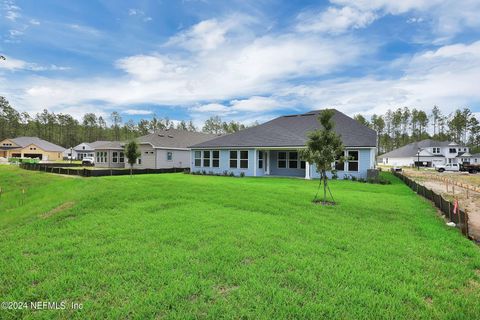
column 65, row 130
column 402, row 126
column 395, row 128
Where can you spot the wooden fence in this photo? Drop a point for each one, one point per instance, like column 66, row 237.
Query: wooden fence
column 460, row 218
column 83, row 172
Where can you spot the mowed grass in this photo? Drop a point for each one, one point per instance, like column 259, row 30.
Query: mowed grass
column 178, row 246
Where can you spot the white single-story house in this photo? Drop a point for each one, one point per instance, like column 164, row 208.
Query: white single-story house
column 271, row 149
column 84, row 149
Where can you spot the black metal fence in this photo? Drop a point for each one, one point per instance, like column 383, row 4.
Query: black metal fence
column 460, row 217
column 84, row 172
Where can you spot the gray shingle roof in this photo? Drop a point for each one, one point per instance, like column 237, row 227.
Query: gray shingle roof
column 105, row 145
column 411, row 149
column 173, row 138
column 291, row 131
column 43, row 144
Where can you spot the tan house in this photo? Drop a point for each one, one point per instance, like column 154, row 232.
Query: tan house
column 30, row 147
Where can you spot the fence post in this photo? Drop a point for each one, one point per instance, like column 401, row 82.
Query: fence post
column 466, row 223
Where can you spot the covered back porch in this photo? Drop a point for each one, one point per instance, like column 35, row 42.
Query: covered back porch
column 281, row 163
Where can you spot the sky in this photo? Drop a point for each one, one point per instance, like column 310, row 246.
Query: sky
column 241, row 60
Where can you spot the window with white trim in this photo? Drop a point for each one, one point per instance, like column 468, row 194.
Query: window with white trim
column 215, row 158
column 282, row 159
column 293, row 160
column 244, row 159
column 206, row 158
column 198, row 159
column 352, row 163
column 115, row 157
column 102, row 156
column 260, row 159
column 339, row 163
column 436, row 150
column 122, row 158
column 169, row 156
column 234, row 159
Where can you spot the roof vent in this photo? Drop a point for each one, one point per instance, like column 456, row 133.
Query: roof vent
column 170, row 136
column 291, row 116
column 161, row 135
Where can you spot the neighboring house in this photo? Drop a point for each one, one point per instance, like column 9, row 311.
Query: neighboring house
column 84, row 149
column 475, row 158
column 163, row 149
column 271, row 149
column 168, row 148
column 30, row 147
column 110, row 154
column 426, row 153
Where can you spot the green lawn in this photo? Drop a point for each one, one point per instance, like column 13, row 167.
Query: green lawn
column 184, row 246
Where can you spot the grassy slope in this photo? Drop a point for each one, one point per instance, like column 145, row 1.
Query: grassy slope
column 179, row 246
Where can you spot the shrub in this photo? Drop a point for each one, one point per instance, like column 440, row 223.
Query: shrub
column 242, row 174
column 379, row 181
column 225, row 173
column 334, row 175
column 204, row 172
column 353, row 178
column 232, row 174
column 210, row 173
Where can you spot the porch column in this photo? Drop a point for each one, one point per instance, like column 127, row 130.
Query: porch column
column 267, row 162
column 307, row 170
column 255, row 162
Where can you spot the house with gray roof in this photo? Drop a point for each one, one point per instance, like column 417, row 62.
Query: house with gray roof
column 160, row 150
column 30, row 147
column 271, row 149
column 427, row 153
column 84, row 149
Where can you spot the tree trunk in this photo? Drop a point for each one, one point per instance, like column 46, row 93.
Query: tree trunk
column 324, row 178
column 131, row 170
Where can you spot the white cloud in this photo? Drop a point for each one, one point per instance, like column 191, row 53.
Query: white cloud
column 140, row 13
column 12, row 64
column 137, row 112
column 210, row 34
column 34, row 22
column 224, row 63
column 447, row 77
column 446, row 17
column 84, row 29
column 250, row 70
column 335, row 20
column 12, row 11
column 147, row 68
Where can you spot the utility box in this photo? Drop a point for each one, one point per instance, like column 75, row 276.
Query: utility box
column 372, row 174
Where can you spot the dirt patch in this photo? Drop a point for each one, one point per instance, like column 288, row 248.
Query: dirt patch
column 60, row 208
column 225, row 290
column 428, row 300
column 467, row 198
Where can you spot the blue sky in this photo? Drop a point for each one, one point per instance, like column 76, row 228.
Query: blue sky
column 242, row 60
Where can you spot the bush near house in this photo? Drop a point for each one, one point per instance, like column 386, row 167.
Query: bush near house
column 190, row 246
